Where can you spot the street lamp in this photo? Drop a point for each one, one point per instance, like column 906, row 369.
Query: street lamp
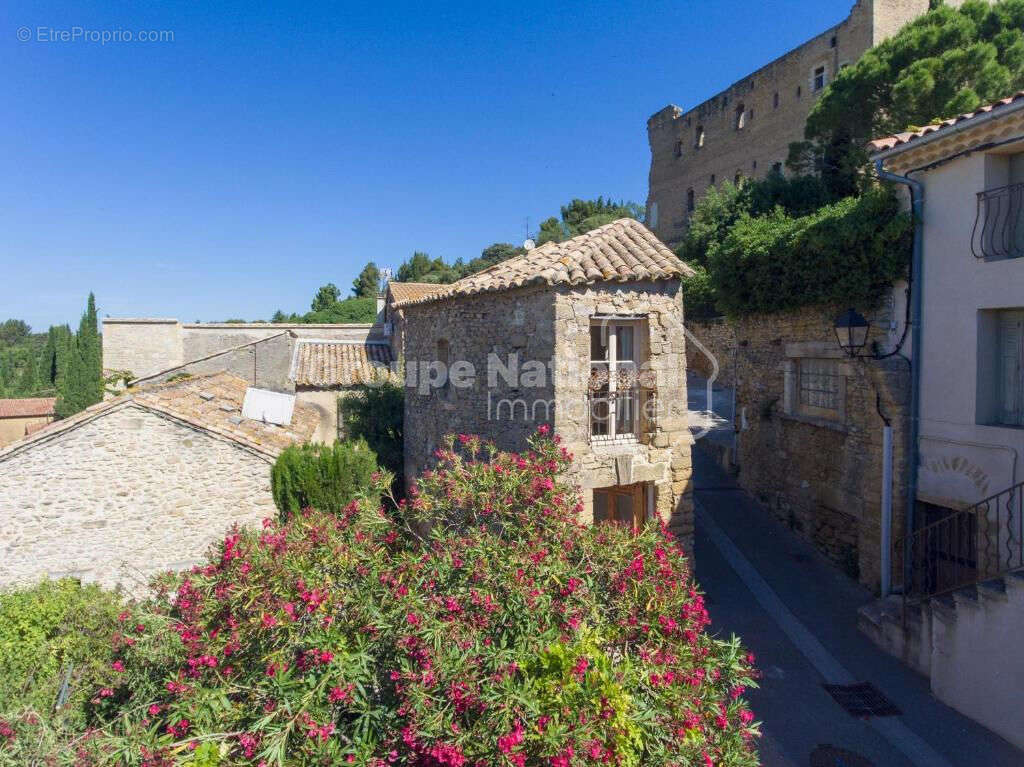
column 852, row 332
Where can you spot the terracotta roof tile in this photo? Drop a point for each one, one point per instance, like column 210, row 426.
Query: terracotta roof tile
column 899, row 139
column 190, row 400
column 27, row 407
column 406, row 291
column 622, row 251
column 337, row 363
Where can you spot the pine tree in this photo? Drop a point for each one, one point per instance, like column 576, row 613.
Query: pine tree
column 367, row 284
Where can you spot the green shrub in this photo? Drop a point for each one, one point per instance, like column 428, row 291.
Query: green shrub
column 698, row 295
column 324, row 477
column 47, row 630
column 847, row 253
column 376, row 414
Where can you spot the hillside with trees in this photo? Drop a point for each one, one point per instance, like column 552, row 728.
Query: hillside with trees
column 577, row 217
column 58, row 363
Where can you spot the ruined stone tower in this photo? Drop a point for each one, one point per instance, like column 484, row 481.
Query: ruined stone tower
column 745, row 130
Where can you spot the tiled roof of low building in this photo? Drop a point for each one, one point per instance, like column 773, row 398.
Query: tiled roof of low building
column 622, row 251
column 410, row 291
column 908, row 137
column 27, row 407
column 211, row 403
column 337, row 363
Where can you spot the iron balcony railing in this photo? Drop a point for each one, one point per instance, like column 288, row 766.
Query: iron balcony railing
column 999, row 223
column 965, row 548
column 621, row 414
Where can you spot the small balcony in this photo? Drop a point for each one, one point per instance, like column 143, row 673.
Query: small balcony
column 999, row 223
column 621, row 417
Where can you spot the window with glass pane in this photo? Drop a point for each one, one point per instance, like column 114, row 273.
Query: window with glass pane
column 614, row 374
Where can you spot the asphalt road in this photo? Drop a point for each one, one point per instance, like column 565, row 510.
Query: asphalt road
column 798, row 614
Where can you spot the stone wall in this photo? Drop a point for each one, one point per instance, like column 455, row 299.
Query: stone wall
column 714, row 351
column 821, row 476
column 550, row 326
column 146, row 347
column 774, row 101
column 520, row 323
column 264, row 363
column 135, row 494
column 662, row 456
column 141, row 346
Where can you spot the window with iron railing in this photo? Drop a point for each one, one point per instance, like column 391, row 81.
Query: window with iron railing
column 619, row 391
column 999, row 223
column 820, row 389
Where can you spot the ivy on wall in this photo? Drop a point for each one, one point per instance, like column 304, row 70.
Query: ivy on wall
column 848, row 252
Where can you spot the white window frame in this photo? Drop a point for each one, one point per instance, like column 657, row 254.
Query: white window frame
column 607, row 324
column 823, row 66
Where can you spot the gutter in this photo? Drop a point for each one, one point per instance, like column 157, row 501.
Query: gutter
column 945, row 131
column 917, row 289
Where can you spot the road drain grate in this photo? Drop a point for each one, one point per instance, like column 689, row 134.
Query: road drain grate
column 827, row 755
column 861, row 699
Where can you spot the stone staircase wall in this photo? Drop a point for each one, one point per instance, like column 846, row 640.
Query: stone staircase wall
column 969, row 644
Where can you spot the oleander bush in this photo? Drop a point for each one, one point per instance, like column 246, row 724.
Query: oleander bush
column 477, row 624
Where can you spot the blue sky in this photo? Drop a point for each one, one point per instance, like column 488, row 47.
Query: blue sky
column 271, row 148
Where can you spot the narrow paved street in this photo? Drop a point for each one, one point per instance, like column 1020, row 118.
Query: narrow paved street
column 798, row 614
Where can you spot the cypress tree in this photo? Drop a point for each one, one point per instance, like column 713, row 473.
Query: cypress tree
column 79, row 373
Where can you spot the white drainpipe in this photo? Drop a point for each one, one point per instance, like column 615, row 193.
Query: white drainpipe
column 886, row 509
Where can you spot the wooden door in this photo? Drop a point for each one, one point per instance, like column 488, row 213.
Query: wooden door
column 620, row 505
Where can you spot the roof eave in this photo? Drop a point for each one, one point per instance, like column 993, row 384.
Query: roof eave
column 949, row 130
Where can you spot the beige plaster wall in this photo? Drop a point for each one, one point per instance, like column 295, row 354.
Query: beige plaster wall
column 13, row 429
column 962, row 460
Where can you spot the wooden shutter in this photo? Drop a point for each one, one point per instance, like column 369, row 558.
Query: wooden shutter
column 1011, row 368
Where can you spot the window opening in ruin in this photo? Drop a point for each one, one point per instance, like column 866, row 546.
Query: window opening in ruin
column 819, row 78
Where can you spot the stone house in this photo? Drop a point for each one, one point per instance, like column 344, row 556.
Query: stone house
column 745, row 130
column 21, row 417
column 585, row 335
column 962, row 570
column 139, row 484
